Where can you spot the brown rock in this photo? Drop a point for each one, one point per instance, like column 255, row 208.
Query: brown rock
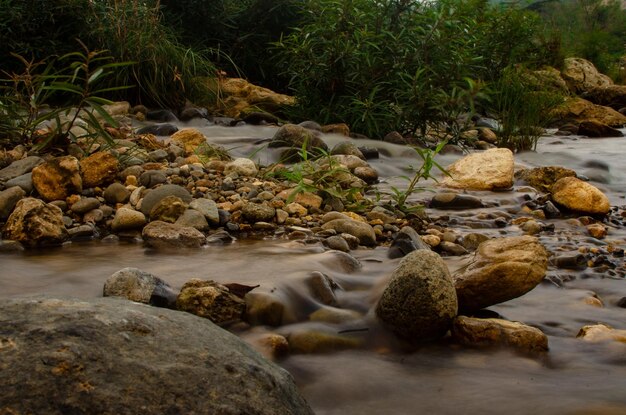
column 496, row 332
column 340, row 128
column 613, row 96
column 210, row 300
column 502, row 269
column 99, row 169
column 169, row 209
column 361, row 230
column 599, row 333
column 595, row 129
column 597, row 230
column 542, row 178
column 160, row 234
column 189, row 139
column 581, row 75
column 579, row 196
column 34, row 222
column 308, row 342
column 577, row 110
column 58, row 178
column 488, row 170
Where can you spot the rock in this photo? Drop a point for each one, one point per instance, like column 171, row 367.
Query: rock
column 151, row 178
column 127, row 219
column 154, row 196
column 85, row 205
column 93, row 216
column 99, row 169
column 258, row 212
column 405, row 242
column 208, row 208
column 452, row 248
column 116, row 193
column 190, row 113
column 597, row 230
column 306, row 199
column 579, row 196
column 160, row 234
column 265, row 309
column 142, row 287
column 419, row 302
column 340, row 128
column 577, row 110
column 271, row 345
column 613, row 96
column 161, row 115
column 210, row 300
column 20, row 167
column 581, row 75
column 595, row 129
column 308, row 342
column 502, row 269
column 294, row 137
column 190, row 139
column 333, row 315
column 543, row 178
column 242, row 166
column 361, row 230
column 497, row 332
column 455, row 201
column 577, row 261
column 58, row 178
column 56, row 352
column 169, row 209
column 194, row 219
column 35, row 223
column 347, row 148
column 11, row 246
column 488, row 170
column 238, row 96
column 165, row 129
column 471, row 241
column 322, row 288
column 600, row 333
column 367, row 174
column 395, row 137
column 550, row 79
column 338, row 243
column 8, row 200
column 25, row 181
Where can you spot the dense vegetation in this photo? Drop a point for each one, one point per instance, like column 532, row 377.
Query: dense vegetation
column 379, row 65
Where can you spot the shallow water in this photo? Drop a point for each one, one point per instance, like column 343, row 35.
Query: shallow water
column 574, row 377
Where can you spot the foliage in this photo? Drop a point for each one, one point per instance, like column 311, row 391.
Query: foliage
column 163, row 70
column 27, row 95
column 523, row 110
column 395, row 64
column 398, row 196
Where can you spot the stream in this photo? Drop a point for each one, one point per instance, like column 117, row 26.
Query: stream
column 574, row 377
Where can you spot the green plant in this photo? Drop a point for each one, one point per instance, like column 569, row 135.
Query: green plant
column 29, row 93
column 522, row 109
column 398, row 196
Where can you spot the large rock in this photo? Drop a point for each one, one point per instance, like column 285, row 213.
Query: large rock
column 140, row 286
column 208, row 208
column 497, row 332
column 99, row 169
column 613, row 96
column 8, row 200
column 419, row 303
column 543, row 178
column 577, row 110
column 579, row 196
column 258, row 212
column 160, row 234
column 190, row 139
column 489, row 170
column 20, row 167
column 601, row 333
column 242, row 166
column 211, row 300
column 596, row 129
column 502, row 269
column 169, row 209
column 33, row 222
column 58, row 178
column 154, row 196
column 363, row 231
column 581, row 75
column 112, row 356
column 128, row 219
column 295, row 137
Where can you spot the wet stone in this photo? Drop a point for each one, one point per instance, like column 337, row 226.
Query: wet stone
column 322, row 288
column 210, row 300
column 84, row 205
column 338, row 243
column 456, row 201
column 152, row 178
column 140, row 286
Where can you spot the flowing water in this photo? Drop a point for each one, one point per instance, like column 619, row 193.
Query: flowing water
column 575, row 377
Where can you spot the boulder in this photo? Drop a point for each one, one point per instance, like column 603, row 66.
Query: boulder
column 154, row 196
column 99, row 169
column 339, row 128
column 488, row 170
column 581, row 75
column 58, row 178
column 112, row 356
column 577, row 110
column 601, row 333
column 20, row 167
column 596, row 129
column 160, row 234
column 128, row 219
column 295, row 137
column 211, row 300
column 579, row 196
column 363, row 231
column 140, row 286
column 543, row 178
column 405, row 242
column 497, row 332
column 258, row 212
column 613, row 96
column 347, row 148
column 8, row 200
column 190, row 139
column 33, row 222
column 550, row 79
column 419, row 303
column 502, row 269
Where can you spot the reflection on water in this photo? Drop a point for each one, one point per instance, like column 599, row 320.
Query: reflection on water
column 575, row 377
